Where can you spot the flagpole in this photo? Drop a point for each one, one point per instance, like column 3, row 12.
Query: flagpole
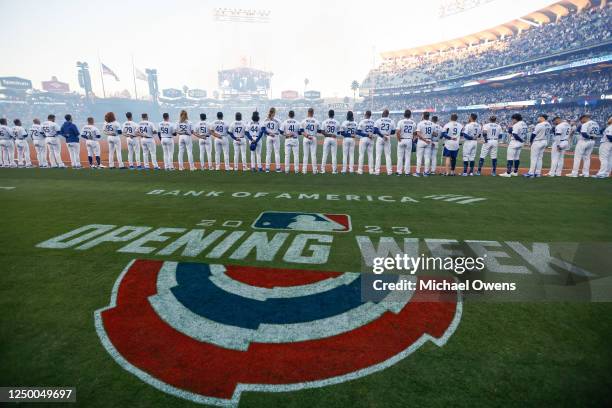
column 101, row 76
column 134, row 78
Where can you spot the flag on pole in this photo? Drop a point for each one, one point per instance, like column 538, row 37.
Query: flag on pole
column 140, row 75
column 107, row 71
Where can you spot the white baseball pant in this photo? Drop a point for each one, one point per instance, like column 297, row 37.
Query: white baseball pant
column 292, row 146
column 133, row 155
column 114, row 149
column 330, row 146
column 404, row 154
column 605, row 159
column 535, row 159
column 240, row 146
column 348, row 154
column 23, row 152
column 366, row 146
column 383, row 144
column 273, row 142
column 185, row 144
column 583, row 151
column 54, row 148
column 310, row 148
column 74, row 151
column 222, row 144
column 149, row 148
column 41, row 152
column 206, row 152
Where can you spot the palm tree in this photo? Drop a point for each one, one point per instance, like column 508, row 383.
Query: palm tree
column 306, row 82
column 354, row 87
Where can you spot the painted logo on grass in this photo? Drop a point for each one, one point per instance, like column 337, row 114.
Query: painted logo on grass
column 208, row 332
column 302, row 221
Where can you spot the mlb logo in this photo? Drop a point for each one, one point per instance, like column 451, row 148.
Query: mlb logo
column 303, row 221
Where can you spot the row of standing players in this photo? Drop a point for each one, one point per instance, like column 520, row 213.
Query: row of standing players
column 422, row 137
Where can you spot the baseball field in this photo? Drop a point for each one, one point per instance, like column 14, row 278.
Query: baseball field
column 67, row 236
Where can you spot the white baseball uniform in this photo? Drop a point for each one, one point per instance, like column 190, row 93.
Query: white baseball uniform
column 22, row 145
column 290, row 128
column 202, row 132
column 588, row 132
column 560, row 144
column 272, row 130
column 366, row 144
column 540, row 141
column 91, row 134
column 221, row 143
column 238, row 129
column 113, row 137
column 7, row 147
column 167, row 131
column 349, row 131
column 519, row 134
column 425, row 130
column 310, row 128
column 133, row 143
column 605, row 153
column 407, row 128
column 330, row 128
column 253, row 130
column 51, row 131
column 433, row 149
column 491, row 132
column 386, row 127
column 147, row 130
column 38, row 139
column 471, row 133
column 184, row 131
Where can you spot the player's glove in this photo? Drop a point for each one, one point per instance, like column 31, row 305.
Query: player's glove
column 253, row 146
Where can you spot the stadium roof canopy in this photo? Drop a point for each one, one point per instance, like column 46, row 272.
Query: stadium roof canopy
column 543, row 16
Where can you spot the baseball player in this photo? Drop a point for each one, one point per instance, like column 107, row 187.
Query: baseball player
column 38, row 139
column 433, row 149
column 491, row 133
column 560, row 144
column 589, row 130
column 112, row 130
column 539, row 141
column 349, row 131
column 22, row 145
column 365, row 131
column 330, row 129
column 605, row 152
column 73, row 141
column 218, row 129
column 384, row 128
column 52, row 131
column 290, row 128
column 471, row 132
column 167, row 131
column 406, row 130
column 91, row 134
column 7, row 146
column 271, row 128
column 518, row 134
column 133, row 142
column 202, row 132
column 147, row 131
column 309, row 129
column 237, row 132
column 184, row 129
column 451, row 133
column 424, row 131
column 254, row 133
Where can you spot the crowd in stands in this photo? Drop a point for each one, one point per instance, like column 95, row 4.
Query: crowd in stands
column 589, row 27
column 554, row 88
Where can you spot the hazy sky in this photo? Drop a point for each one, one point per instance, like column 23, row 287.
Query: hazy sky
column 331, row 42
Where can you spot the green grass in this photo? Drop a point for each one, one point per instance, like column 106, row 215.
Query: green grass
column 510, row 354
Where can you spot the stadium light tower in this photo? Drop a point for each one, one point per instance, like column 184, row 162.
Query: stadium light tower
column 84, row 78
column 153, row 86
